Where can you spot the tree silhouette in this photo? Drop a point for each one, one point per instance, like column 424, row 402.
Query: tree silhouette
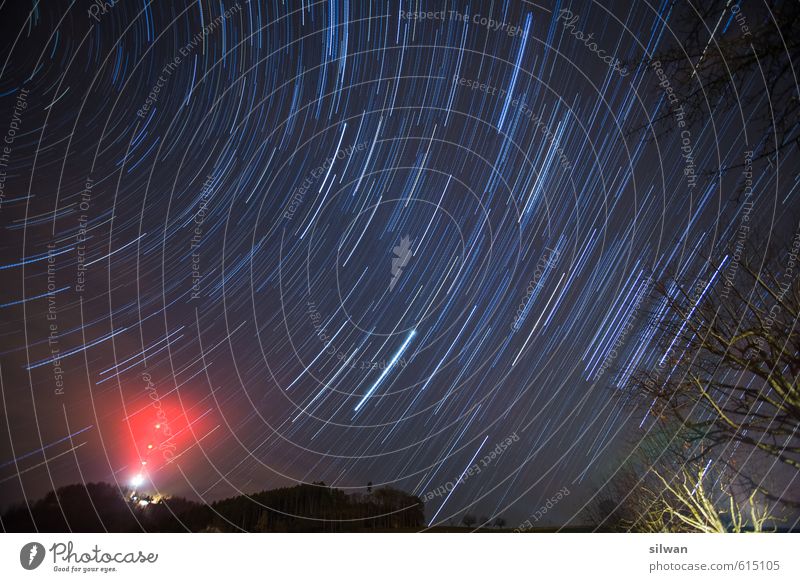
column 734, row 377
column 98, row 507
column 747, row 68
column 723, row 387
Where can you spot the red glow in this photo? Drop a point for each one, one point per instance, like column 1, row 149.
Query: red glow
column 162, row 428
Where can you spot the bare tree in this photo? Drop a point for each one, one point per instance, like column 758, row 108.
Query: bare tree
column 725, row 386
column 468, row 520
column 722, row 56
column 733, row 357
column 677, row 499
column 683, row 504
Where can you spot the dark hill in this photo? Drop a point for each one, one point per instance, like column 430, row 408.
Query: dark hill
column 98, row 507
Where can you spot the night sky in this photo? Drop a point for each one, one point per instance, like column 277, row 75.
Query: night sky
column 252, row 244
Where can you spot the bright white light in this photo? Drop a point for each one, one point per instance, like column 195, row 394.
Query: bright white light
column 137, row 480
column 144, row 502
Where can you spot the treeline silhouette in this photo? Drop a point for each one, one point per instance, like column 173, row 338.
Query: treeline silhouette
column 100, row 507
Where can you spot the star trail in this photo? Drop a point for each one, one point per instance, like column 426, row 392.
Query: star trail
column 255, row 244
